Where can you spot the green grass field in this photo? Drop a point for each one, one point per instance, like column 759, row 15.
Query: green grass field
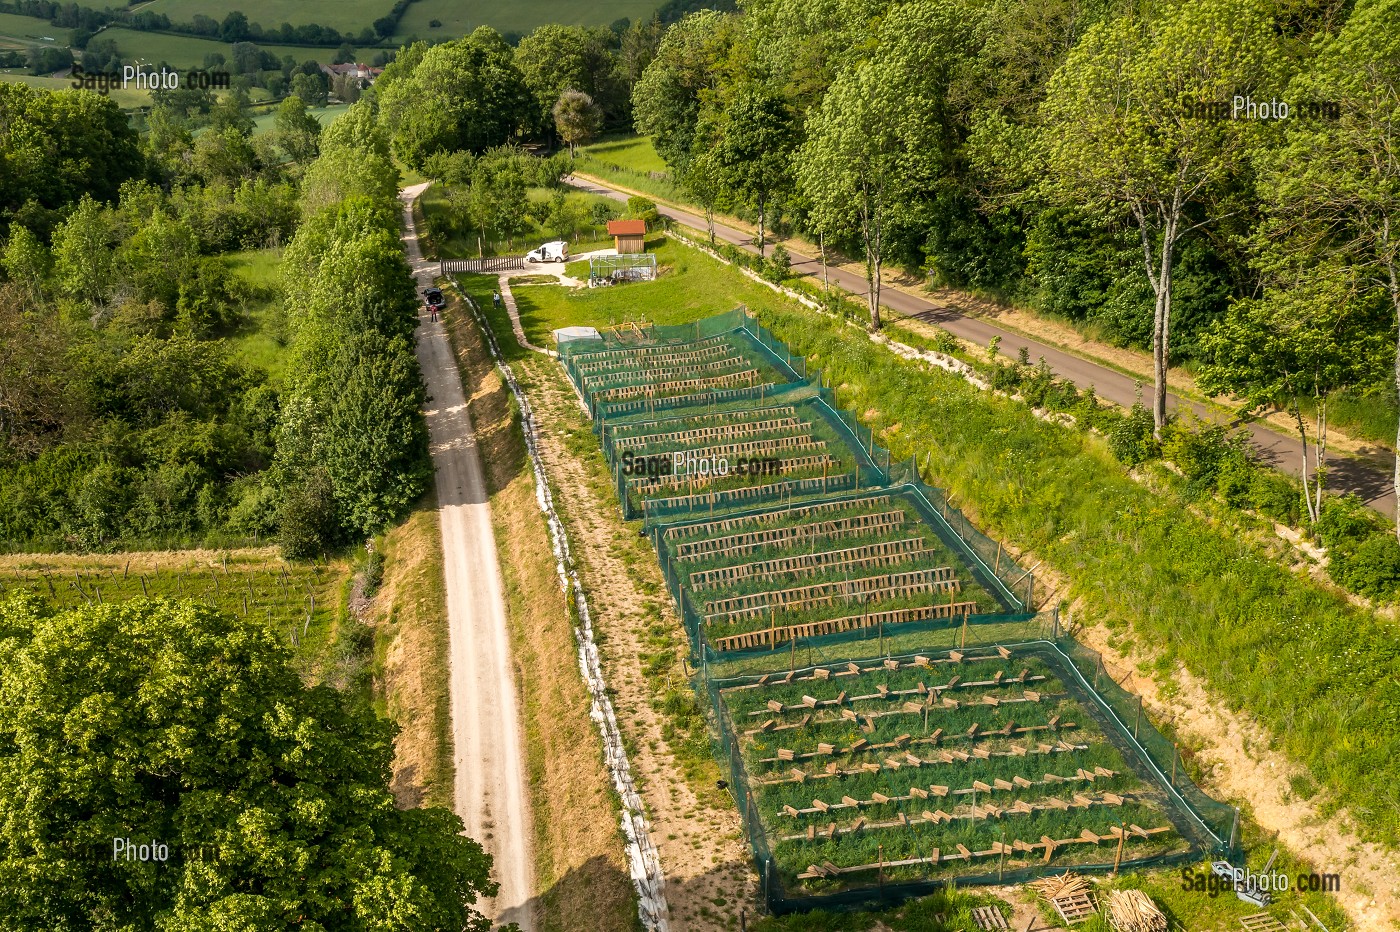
column 459, row 17
column 189, row 52
column 266, row 116
column 629, row 161
column 347, row 16
column 261, row 342
column 126, row 99
column 30, row 30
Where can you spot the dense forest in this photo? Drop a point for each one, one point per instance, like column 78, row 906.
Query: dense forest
column 129, row 415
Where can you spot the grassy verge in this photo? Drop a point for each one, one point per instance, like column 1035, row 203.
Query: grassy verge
column 411, row 658
column 631, row 162
column 580, row 865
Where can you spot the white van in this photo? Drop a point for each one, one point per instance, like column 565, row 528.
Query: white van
column 557, row 251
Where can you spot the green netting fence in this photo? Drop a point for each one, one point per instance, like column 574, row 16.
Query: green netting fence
column 1208, row 827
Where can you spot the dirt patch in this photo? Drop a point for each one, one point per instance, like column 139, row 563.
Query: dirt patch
column 1233, row 753
column 145, row 560
column 709, row 875
column 580, row 866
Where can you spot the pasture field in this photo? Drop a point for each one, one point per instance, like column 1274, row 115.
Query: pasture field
column 459, row 17
column 301, row 603
column 127, row 99
column 30, row 30
column 346, row 16
column 631, row 162
column 186, row 52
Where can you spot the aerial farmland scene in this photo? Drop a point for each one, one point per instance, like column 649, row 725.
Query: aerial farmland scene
column 700, row 466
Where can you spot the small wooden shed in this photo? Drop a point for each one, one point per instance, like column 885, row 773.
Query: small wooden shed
column 630, row 236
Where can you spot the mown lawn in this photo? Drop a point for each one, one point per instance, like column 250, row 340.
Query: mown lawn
column 1322, row 675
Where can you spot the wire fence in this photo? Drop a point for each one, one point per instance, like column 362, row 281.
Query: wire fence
column 1207, row 827
column 870, row 481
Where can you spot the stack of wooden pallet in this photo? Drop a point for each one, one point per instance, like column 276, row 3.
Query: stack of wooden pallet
column 1069, row 895
column 1134, row 911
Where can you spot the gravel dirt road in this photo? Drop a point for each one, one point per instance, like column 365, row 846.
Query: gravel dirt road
column 490, row 782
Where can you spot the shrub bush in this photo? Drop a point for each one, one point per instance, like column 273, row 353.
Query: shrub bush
column 1371, row 567
column 1345, row 520
column 1131, row 438
column 778, row 265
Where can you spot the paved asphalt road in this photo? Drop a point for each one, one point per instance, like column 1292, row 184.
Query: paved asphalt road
column 1281, row 450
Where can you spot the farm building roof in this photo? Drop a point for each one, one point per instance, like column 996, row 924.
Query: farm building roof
column 626, row 227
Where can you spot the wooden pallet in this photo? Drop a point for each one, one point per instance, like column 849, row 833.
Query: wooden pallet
column 1074, row 908
column 989, row 918
column 1262, row 922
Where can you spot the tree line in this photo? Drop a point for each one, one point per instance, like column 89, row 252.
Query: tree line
column 1097, row 161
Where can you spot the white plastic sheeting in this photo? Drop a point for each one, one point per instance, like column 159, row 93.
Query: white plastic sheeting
column 644, row 862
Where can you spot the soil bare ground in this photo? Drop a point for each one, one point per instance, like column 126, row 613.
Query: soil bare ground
column 709, row 876
column 580, row 866
column 488, row 762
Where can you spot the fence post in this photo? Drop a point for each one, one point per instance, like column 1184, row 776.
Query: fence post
column 1137, row 721
column 1055, row 621
column 1234, row 829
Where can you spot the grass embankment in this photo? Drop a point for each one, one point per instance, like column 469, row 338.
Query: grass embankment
column 629, row 162
column 260, row 341
column 411, row 658
column 580, row 865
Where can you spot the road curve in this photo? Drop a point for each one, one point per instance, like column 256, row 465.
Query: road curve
column 1283, row 451
column 490, row 782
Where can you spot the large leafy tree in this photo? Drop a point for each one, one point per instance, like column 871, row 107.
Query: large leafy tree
column 1332, row 191
column 666, row 102
column 553, row 59
column 751, row 146
column 576, row 118
column 1294, row 348
column 1123, row 137
column 464, row 94
column 883, row 138
column 57, row 147
column 171, row 722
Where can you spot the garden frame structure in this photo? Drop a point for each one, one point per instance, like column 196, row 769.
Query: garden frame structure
column 643, row 382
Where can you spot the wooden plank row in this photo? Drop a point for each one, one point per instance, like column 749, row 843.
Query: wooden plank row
column 724, row 498
column 973, row 734
column 998, row 785
column 883, row 692
column 747, row 378
column 833, row 769
column 725, row 525
column 936, row 856
column 641, row 352
column 692, row 480
column 598, row 365
column 774, row 634
column 904, row 548
column 854, row 669
column 735, row 544
column 862, row 590
column 644, row 442
column 633, row 376
column 723, row 419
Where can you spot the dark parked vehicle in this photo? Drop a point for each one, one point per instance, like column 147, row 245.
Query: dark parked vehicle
column 434, row 297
